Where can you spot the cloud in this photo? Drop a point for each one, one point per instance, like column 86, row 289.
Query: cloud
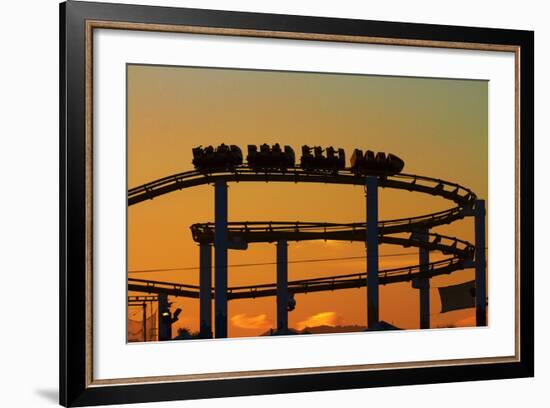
column 244, row 321
column 320, row 319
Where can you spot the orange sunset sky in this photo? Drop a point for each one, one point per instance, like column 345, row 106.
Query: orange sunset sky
column 438, row 127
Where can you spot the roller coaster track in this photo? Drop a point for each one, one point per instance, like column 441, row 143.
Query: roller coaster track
column 248, row 232
column 451, row 191
column 462, row 252
column 272, row 231
column 330, row 283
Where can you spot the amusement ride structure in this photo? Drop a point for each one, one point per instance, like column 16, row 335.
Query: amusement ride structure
column 224, row 164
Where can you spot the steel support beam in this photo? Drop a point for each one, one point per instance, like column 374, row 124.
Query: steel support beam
column 205, row 295
column 371, row 192
column 144, row 306
column 282, row 286
column 480, row 264
column 424, row 283
column 220, row 254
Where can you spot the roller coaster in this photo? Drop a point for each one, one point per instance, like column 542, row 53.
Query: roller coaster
column 193, row 178
column 224, row 164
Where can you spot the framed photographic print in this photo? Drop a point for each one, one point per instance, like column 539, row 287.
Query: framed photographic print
column 256, row 203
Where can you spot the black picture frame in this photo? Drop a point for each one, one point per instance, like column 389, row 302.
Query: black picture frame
column 75, row 387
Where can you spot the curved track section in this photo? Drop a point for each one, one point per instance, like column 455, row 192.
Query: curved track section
column 329, row 283
column 460, row 195
column 248, row 232
column 272, row 231
column 357, row 280
column 450, row 191
column 462, row 254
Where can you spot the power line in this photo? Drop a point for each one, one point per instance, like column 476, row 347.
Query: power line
column 243, row 265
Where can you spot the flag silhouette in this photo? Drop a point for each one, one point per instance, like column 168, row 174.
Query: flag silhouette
column 456, row 297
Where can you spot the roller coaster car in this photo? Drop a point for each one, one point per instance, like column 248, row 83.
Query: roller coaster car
column 379, row 164
column 270, row 158
column 202, row 233
column 223, row 158
column 394, row 163
column 332, row 162
column 290, row 156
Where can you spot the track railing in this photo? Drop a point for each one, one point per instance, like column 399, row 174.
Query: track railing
column 462, row 251
column 329, row 283
column 272, row 231
column 448, row 190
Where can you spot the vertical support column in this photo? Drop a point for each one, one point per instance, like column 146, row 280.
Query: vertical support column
column 371, row 191
column 220, row 254
column 282, row 286
column 144, row 306
column 480, row 264
column 205, row 293
column 152, row 328
column 423, row 282
column 164, row 318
